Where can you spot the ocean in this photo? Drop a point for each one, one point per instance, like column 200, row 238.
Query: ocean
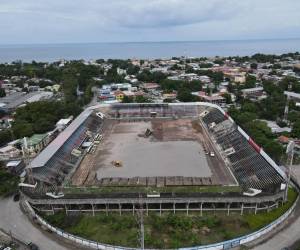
column 144, row 50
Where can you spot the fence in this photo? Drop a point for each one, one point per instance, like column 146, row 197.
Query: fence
column 218, row 246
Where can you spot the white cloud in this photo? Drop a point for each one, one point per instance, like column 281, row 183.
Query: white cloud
column 136, row 20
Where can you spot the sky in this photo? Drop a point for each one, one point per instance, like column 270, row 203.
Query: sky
column 77, row 21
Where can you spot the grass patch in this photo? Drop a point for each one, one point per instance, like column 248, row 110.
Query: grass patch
column 8, row 183
column 168, row 230
column 256, row 222
column 112, row 229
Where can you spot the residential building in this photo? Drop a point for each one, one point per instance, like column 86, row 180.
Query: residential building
column 254, row 94
column 15, row 167
column 215, row 99
column 63, row 123
column 9, row 152
column 150, row 86
column 119, row 95
column 34, row 144
column 275, row 128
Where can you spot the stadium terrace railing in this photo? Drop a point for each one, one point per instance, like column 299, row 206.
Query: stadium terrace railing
column 218, row 246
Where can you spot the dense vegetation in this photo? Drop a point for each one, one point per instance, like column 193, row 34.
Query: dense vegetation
column 271, row 108
column 168, row 230
column 137, row 99
column 263, row 58
column 8, row 183
column 2, row 92
column 37, row 117
column 40, row 117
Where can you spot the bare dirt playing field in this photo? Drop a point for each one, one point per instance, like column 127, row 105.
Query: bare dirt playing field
column 170, row 148
column 148, row 157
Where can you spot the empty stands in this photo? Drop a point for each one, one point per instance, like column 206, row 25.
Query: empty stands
column 249, row 167
column 57, row 166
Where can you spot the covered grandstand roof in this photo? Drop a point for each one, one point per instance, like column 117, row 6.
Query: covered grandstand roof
column 59, row 141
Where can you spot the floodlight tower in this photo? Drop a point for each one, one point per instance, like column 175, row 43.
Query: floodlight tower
column 286, row 109
column 290, row 154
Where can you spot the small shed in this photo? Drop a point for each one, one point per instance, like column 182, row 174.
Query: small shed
column 15, row 167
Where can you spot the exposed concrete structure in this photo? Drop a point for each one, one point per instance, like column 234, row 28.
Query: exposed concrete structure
column 172, row 203
column 122, row 132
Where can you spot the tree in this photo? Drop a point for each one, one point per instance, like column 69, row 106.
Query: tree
column 274, row 150
column 293, row 116
column 112, row 76
column 184, row 95
column 127, row 99
column 2, row 92
column 43, row 125
column 141, row 99
column 250, row 82
column 227, row 96
column 246, row 117
column 41, row 117
column 69, row 86
column 253, row 65
column 273, row 106
column 194, row 85
column 132, row 69
column 88, row 93
column 5, row 137
column 249, row 107
column 296, row 129
column 23, row 129
column 148, row 76
column 271, row 88
column 168, row 100
column 206, row 65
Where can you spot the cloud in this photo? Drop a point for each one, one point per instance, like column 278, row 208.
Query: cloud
column 47, row 21
column 168, row 13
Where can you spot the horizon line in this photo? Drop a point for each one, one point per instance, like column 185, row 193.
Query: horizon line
column 136, row 42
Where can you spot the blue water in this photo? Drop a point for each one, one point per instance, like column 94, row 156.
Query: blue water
column 146, row 50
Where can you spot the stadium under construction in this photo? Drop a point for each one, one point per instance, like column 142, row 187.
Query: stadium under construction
column 154, row 157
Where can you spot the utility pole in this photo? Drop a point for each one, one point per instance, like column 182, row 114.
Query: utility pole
column 141, row 224
column 142, row 229
column 290, row 153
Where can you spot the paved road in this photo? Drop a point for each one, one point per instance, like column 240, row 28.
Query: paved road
column 12, row 219
column 290, row 234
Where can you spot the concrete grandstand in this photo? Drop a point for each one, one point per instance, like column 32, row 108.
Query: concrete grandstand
column 134, row 155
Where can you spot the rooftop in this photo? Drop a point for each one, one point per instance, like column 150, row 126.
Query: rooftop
column 34, row 139
column 59, row 141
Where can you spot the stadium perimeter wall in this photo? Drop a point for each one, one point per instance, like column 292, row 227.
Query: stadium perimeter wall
column 218, row 246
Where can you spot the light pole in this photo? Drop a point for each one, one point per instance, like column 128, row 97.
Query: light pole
column 290, row 153
column 140, row 218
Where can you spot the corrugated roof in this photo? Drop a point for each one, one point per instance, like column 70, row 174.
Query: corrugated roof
column 292, row 94
column 35, row 139
column 59, row 141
